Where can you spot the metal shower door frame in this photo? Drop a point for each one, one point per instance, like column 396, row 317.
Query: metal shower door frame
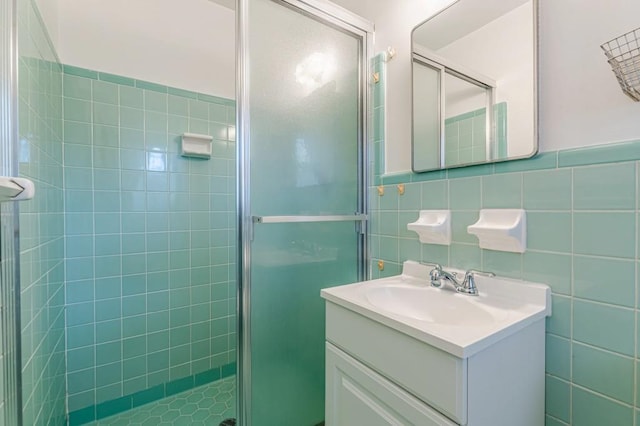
column 10, row 253
column 333, row 15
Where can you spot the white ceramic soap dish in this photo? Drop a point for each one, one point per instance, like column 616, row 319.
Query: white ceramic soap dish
column 198, row 146
column 433, row 227
column 501, row 230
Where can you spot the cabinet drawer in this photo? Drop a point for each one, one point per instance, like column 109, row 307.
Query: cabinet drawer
column 434, row 376
column 356, row 395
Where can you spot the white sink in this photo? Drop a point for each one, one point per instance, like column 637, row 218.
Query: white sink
column 434, row 305
column 456, row 323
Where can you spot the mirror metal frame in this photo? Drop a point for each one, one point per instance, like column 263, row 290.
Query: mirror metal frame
column 536, row 105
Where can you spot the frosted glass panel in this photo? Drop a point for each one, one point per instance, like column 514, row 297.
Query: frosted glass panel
column 304, row 139
column 291, row 263
column 304, row 113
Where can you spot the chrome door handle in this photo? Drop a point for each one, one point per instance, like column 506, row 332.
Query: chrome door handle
column 302, row 218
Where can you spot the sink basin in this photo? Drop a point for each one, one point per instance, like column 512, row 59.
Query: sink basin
column 434, row 305
column 456, row 323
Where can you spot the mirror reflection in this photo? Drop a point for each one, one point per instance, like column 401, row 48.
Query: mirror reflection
column 474, row 84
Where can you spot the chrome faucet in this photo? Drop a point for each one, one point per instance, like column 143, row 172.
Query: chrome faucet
column 468, row 284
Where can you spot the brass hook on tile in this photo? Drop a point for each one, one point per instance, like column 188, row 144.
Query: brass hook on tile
column 376, row 77
column 380, row 190
column 401, row 189
column 381, row 265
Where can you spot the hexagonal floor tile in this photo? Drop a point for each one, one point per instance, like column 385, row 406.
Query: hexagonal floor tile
column 206, row 405
column 218, row 408
column 225, row 396
column 175, row 405
column 188, row 409
column 200, row 415
column 152, row 421
column 194, row 398
column 170, row 415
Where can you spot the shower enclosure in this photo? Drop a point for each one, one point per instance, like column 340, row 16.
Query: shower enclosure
column 302, row 107
column 132, row 256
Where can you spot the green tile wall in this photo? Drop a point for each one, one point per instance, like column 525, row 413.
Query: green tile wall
column 378, row 114
column 582, row 241
column 466, row 138
column 150, row 239
column 41, row 222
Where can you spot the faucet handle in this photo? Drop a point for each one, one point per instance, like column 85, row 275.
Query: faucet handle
column 472, row 272
column 469, row 283
column 437, row 268
column 434, row 274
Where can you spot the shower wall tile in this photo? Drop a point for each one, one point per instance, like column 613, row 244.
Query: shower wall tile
column 582, row 209
column 147, row 237
column 40, row 157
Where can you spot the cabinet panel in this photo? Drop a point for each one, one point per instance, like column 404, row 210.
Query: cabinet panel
column 506, row 381
column 356, row 395
column 434, row 376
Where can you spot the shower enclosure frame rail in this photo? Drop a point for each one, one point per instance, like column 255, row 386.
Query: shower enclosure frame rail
column 306, row 219
column 10, row 291
column 338, row 17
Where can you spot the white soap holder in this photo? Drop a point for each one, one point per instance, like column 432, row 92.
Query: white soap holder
column 433, row 227
column 194, row 145
column 501, row 230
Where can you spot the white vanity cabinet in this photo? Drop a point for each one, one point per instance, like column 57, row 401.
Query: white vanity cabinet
column 377, row 374
column 357, row 395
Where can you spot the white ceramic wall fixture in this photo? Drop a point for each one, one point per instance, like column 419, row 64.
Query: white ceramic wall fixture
column 433, row 227
column 195, row 145
column 501, row 230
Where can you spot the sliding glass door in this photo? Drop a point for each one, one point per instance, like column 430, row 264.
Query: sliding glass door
column 303, row 199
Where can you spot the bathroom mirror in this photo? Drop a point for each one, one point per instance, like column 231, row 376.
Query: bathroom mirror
column 474, row 84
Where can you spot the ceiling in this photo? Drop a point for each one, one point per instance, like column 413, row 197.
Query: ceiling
column 462, row 18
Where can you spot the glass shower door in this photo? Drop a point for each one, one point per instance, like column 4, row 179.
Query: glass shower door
column 304, row 184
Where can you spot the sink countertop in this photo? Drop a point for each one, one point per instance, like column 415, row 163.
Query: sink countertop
column 511, row 305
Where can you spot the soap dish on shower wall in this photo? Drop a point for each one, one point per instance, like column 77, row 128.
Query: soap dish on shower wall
column 433, row 227
column 501, row 230
column 194, row 145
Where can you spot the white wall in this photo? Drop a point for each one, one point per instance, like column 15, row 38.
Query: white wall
column 49, row 10
column 580, row 101
column 188, row 44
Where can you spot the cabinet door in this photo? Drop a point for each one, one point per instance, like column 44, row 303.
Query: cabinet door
column 356, row 395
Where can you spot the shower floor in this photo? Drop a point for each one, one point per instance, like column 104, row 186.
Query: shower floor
column 206, row 405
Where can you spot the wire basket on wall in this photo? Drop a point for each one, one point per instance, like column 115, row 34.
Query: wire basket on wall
column 624, row 57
